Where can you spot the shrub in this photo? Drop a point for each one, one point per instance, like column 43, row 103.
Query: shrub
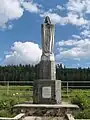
column 80, row 101
column 83, row 103
column 4, row 113
column 85, row 114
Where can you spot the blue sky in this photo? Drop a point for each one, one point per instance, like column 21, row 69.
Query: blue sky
column 20, row 31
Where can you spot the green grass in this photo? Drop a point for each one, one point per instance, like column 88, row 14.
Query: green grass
column 11, row 95
column 24, row 93
column 15, row 90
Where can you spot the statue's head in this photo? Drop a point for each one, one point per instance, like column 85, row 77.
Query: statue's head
column 47, row 20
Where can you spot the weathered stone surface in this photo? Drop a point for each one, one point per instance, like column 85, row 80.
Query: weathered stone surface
column 38, row 92
column 63, row 105
column 47, row 70
column 43, row 118
column 58, row 91
column 47, row 90
column 47, row 112
column 66, row 117
column 47, row 34
column 54, row 85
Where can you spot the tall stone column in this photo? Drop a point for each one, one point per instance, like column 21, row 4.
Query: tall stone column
column 47, row 90
column 47, row 64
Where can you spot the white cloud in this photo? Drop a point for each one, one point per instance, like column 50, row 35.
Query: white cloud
column 76, row 13
column 85, row 33
column 31, row 7
column 80, row 7
column 14, row 9
column 76, row 36
column 57, row 19
column 74, row 19
column 68, row 43
column 76, row 6
column 75, row 49
column 60, row 7
column 9, row 10
column 76, row 9
column 23, row 53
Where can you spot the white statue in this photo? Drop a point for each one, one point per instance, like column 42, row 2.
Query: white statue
column 48, row 36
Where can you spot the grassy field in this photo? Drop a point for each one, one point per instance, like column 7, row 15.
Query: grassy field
column 21, row 93
column 24, row 93
column 11, row 95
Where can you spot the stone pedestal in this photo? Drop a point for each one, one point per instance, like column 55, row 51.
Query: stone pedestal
column 47, row 69
column 47, row 91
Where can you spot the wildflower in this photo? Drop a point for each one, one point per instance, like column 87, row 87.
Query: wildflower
column 13, row 94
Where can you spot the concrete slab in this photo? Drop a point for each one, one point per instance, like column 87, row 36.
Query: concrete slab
column 63, row 105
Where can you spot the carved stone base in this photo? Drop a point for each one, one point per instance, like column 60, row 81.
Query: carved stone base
column 47, row 92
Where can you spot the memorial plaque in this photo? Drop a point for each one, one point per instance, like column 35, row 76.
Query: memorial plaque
column 46, row 92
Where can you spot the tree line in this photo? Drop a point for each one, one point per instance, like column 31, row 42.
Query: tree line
column 29, row 73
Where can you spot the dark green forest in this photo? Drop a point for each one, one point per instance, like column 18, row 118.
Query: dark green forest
column 29, row 73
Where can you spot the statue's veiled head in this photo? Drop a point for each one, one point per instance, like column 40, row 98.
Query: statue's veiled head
column 47, row 20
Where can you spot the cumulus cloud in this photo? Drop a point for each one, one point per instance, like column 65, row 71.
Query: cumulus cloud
column 57, row 19
column 73, row 49
column 60, row 7
column 14, row 9
column 23, row 53
column 79, row 6
column 78, row 21
column 31, row 7
column 9, row 10
column 76, row 9
column 85, row 33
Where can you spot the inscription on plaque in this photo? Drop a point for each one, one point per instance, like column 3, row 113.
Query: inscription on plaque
column 46, row 92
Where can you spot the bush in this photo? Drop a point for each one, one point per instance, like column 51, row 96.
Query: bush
column 6, row 105
column 83, row 104
column 85, row 114
column 80, row 101
column 4, row 113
